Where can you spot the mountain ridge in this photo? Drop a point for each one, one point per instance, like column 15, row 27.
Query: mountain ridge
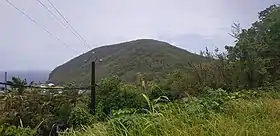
column 126, row 60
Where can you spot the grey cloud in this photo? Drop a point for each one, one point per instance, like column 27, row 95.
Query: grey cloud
column 195, row 43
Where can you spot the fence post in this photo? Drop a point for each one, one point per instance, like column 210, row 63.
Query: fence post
column 92, row 93
column 6, row 78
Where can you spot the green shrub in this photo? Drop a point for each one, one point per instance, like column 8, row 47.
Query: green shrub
column 156, row 91
column 213, row 99
column 17, row 131
column 64, row 111
column 246, row 94
column 243, row 117
column 79, row 117
column 36, row 106
column 112, row 94
column 123, row 112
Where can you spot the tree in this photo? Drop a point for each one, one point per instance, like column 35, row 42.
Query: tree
column 257, row 49
column 17, row 83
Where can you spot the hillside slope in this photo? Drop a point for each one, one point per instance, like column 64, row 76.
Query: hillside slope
column 152, row 58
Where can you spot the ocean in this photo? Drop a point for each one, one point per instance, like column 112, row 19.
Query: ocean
column 36, row 76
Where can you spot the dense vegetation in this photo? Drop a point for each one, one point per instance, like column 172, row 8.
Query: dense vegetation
column 150, row 58
column 231, row 93
column 235, row 116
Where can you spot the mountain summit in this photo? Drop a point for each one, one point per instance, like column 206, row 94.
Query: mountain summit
column 151, row 58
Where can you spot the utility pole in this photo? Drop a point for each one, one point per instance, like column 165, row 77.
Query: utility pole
column 92, row 94
column 6, row 78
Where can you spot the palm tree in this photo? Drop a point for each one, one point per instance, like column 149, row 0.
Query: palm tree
column 17, row 83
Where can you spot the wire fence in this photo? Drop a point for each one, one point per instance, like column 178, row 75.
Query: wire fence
column 10, row 103
column 48, row 88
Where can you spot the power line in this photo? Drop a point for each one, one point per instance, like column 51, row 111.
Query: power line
column 31, row 19
column 67, row 27
column 65, row 19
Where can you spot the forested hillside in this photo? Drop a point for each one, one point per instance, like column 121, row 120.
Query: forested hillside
column 151, row 58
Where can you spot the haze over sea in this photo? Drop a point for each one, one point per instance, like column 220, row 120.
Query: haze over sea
column 36, row 76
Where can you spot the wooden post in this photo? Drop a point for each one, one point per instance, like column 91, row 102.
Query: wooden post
column 6, row 78
column 92, row 94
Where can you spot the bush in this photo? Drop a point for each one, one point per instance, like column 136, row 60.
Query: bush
column 114, row 95
column 123, row 112
column 34, row 107
column 213, row 99
column 156, row 91
column 17, row 131
column 79, row 117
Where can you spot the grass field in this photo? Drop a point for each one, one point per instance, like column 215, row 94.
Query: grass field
column 249, row 117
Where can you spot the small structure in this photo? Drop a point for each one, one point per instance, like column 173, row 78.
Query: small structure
column 50, row 84
column 42, row 86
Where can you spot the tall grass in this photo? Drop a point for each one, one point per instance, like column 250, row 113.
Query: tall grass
column 257, row 117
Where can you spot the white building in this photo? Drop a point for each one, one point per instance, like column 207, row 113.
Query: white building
column 50, row 84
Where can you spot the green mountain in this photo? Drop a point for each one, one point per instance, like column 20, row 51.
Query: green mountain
column 151, row 58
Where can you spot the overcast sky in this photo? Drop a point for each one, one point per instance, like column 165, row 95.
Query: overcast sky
column 189, row 24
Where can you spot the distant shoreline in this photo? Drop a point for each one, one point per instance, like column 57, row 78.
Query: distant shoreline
column 29, row 75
